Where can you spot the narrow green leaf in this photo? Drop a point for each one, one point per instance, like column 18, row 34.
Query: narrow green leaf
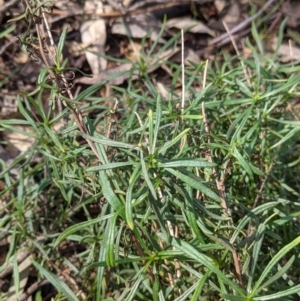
column 244, row 88
column 146, row 177
column 57, row 178
column 17, row 130
column 198, row 291
column 36, row 106
column 200, row 163
column 56, row 282
column 289, row 135
column 89, row 91
column 137, row 284
column 156, row 288
column 22, row 16
column 109, row 142
column 80, row 226
column 256, row 250
column 280, row 273
column 128, row 207
column 168, row 144
column 109, row 241
column 158, row 216
column 184, row 296
column 14, row 121
column 280, row 295
column 257, row 39
column 252, row 214
column 191, row 252
column 243, row 162
column 194, row 75
column 16, row 276
column 196, row 184
column 102, row 263
column 100, row 273
column 257, row 287
column 193, row 117
column 191, row 215
column 233, row 298
column 54, row 138
column 158, row 38
column 11, row 251
column 7, row 30
column 111, row 166
column 43, row 76
column 21, row 193
column 108, row 191
column 280, row 36
column 26, row 115
column 256, row 170
column 157, row 123
column 80, row 71
column 291, row 82
column 151, row 131
column 60, row 46
column 289, row 122
column 228, row 102
column 237, row 135
column 257, row 79
column 233, row 125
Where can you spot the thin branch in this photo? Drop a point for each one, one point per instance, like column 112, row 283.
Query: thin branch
column 242, row 25
column 33, row 288
column 75, row 111
column 246, row 71
column 182, row 71
column 8, row 5
column 221, row 189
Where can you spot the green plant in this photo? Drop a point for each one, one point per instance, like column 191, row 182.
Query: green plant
column 193, row 204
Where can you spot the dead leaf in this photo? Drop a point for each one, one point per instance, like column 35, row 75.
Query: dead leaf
column 286, row 52
column 189, row 56
column 220, row 5
column 68, row 6
column 75, row 48
column 138, row 27
column 292, row 12
column 23, row 269
column 93, row 34
column 187, row 22
column 116, row 76
column 233, row 14
column 16, row 142
column 21, row 58
column 1, row 15
column 163, row 92
column 126, row 3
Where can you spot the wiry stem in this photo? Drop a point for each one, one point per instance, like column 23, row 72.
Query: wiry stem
column 75, row 111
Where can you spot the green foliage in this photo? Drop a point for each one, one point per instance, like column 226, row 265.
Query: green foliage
column 165, row 229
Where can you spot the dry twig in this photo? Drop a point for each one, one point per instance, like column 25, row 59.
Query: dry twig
column 74, row 110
